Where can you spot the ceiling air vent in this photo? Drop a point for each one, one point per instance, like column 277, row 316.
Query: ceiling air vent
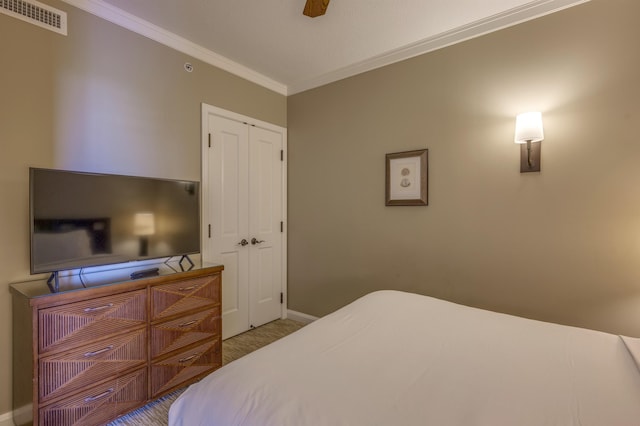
column 36, row 13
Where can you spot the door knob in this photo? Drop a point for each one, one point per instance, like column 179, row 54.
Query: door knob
column 244, row 242
column 254, row 241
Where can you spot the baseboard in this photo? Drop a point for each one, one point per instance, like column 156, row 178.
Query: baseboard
column 23, row 415
column 6, row 419
column 300, row 317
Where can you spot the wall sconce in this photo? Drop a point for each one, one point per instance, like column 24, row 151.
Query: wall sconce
column 143, row 226
column 529, row 131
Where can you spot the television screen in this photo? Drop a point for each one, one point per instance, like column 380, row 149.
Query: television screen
column 86, row 219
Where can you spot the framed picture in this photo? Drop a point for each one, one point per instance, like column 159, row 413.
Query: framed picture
column 407, row 178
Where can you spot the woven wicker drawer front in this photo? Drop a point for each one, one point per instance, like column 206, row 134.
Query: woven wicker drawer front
column 176, row 334
column 183, row 296
column 74, row 324
column 99, row 404
column 81, row 368
column 184, row 366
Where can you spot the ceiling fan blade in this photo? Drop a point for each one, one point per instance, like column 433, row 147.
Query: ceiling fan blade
column 315, row 8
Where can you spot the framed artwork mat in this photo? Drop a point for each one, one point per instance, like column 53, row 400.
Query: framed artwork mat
column 407, row 178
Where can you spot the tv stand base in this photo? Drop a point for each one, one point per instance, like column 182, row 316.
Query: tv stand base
column 56, row 282
column 184, row 256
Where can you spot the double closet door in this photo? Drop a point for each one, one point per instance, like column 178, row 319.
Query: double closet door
column 243, row 216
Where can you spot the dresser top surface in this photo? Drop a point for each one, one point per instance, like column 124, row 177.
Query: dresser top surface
column 89, row 280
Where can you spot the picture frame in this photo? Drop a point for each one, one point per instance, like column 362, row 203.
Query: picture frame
column 407, row 178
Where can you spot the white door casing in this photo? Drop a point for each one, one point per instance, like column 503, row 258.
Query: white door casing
column 244, row 198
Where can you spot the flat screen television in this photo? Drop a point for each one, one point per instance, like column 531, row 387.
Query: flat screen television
column 88, row 219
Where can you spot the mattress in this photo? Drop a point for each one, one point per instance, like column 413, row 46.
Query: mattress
column 395, row 358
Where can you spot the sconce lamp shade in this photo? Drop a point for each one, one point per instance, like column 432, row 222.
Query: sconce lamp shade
column 529, row 127
column 144, row 224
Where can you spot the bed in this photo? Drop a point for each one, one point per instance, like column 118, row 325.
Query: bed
column 395, row 358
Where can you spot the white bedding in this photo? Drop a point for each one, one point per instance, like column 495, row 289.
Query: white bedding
column 393, row 358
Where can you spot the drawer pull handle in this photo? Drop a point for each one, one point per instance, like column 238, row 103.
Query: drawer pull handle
column 100, row 395
column 98, row 352
column 99, row 308
column 188, row 323
column 189, row 358
column 187, row 288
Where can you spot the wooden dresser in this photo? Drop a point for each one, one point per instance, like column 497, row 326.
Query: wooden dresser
column 105, row 345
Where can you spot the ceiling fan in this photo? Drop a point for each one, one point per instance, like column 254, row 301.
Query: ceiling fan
column 315, row 8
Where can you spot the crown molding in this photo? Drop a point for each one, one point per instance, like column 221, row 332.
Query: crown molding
column 126, row 20
column 527, row 12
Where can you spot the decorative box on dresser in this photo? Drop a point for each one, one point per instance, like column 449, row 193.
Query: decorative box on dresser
column 105, row 344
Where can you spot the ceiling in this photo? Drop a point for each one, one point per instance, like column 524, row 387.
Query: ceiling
column 273, row 44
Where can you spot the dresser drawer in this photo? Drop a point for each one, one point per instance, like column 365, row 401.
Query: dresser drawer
column 179, row 368
column 184, row 331
column 99, row 404
column 74, row 324
column 175, row 298
column 64, row 373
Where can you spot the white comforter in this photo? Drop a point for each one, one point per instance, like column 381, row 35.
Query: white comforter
column 393, row 358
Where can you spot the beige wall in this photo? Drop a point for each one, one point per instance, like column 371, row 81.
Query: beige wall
column 101, row 99
column 562, row 245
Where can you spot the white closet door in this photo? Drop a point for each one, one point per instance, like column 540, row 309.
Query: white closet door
column 228, row 211
column 265, row 215
column 243, row 204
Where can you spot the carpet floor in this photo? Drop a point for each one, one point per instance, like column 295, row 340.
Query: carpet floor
column 156, row 413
